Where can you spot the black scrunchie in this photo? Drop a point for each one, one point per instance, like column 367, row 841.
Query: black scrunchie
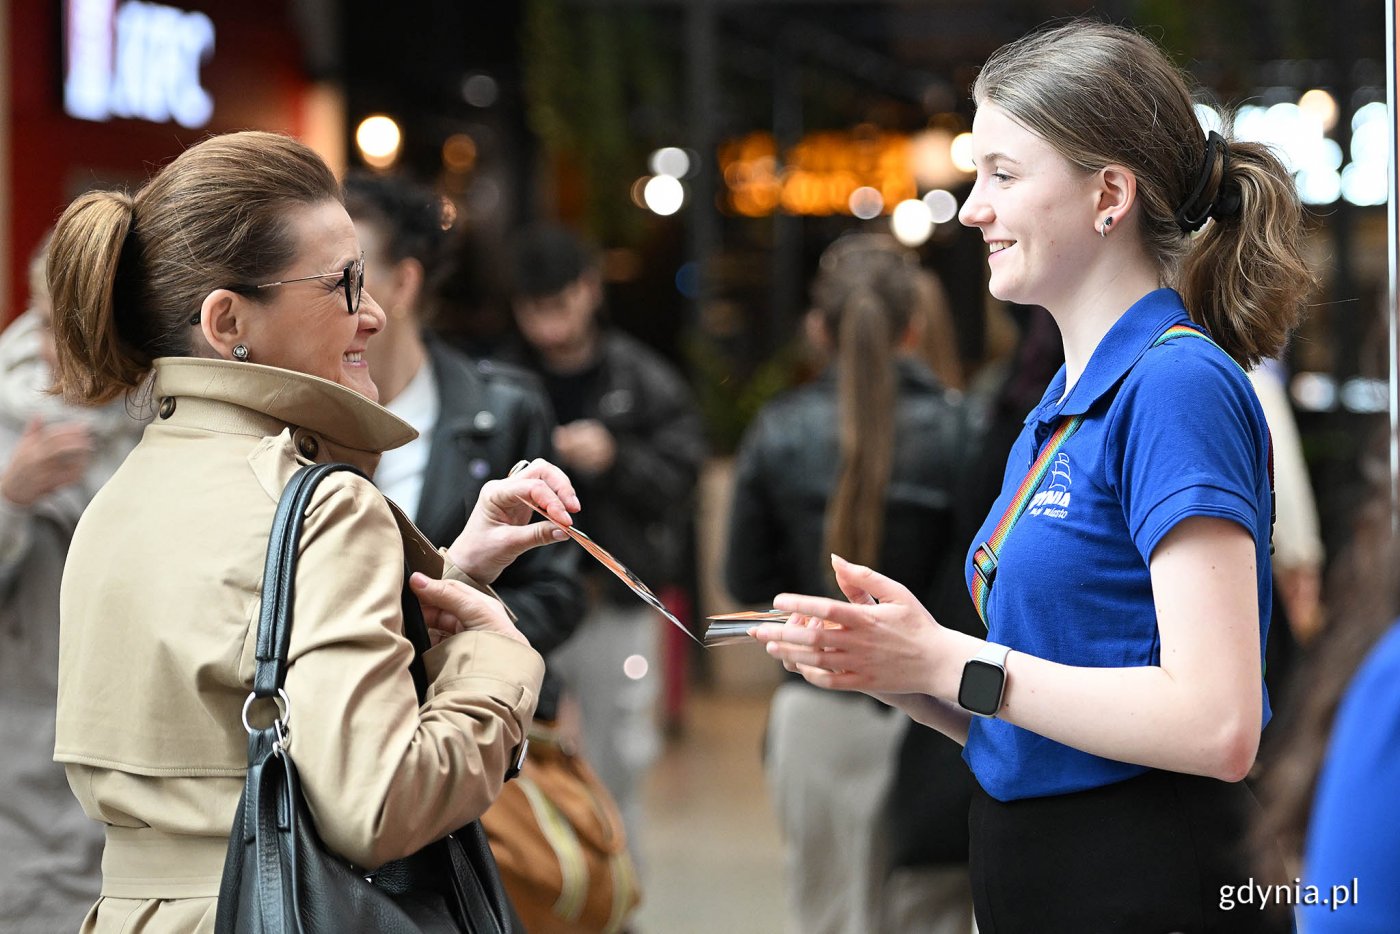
column 1225, row 202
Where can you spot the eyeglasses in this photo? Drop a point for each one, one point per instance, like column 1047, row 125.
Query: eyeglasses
column 352, row 281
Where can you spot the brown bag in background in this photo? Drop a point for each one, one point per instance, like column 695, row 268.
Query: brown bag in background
column 559, row 841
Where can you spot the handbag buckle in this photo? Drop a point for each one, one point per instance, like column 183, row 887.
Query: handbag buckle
column 282, row 725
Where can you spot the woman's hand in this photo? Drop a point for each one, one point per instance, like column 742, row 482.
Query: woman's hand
column 500, row 529
column 450, row 607
column 893, row 646
column 47, row 458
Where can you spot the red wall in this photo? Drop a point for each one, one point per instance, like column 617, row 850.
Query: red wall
column 254, row 75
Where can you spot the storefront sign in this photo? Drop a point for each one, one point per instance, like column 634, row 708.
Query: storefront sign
column 138, row 60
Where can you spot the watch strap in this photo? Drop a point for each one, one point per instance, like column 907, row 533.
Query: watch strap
column 993, row 653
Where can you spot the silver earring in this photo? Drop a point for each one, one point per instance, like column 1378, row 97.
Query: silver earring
column 1107, row 223
column 240, row 353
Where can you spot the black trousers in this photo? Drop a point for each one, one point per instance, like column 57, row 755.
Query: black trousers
column 1150, row 855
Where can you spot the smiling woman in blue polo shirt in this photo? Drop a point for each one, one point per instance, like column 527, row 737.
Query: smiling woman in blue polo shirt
column 1124, row 571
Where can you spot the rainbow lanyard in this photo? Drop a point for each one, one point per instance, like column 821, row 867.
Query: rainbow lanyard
column 984, row 558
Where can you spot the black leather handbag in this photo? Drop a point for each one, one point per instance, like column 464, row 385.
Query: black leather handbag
column 278, row 877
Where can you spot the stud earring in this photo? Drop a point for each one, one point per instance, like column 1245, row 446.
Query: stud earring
column 240, row 353
column 1107, row 223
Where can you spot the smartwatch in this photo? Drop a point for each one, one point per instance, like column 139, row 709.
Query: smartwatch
column 984, row 681
column 517, row 764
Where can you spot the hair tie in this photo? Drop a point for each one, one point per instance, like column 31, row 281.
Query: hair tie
column 1197, row 208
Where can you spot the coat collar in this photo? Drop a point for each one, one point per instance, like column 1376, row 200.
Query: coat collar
column 336, row 413
column 1129, row 338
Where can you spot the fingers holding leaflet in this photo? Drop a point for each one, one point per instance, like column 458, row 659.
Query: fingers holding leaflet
column 894, row 645
column 555, row 480
column 451, row 607
column 501, row 527
column 815, row 653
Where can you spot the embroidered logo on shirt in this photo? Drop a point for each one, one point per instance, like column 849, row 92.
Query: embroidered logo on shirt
column 1053, row 501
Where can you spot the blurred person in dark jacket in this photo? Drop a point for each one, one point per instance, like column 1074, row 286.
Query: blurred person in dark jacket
column 475, row 419
column 631, row 439
column 866, row 460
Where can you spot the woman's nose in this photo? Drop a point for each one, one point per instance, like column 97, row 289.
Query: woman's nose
column 372, row 317
column 975, row 211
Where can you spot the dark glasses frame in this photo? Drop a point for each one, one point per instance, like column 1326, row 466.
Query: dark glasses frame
column 352, row 280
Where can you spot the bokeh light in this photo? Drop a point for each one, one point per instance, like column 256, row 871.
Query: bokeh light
column 670, row 160
column 379, row 140
column 911, row 222
column 663, row 195
column 867, row 202
column 942, row 206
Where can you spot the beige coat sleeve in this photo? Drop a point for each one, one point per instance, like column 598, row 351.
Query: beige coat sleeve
column 383, row 777
column 1297, row 542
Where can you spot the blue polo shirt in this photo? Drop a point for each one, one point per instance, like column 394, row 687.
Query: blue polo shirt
column 1354, row 836
column 1169, row 432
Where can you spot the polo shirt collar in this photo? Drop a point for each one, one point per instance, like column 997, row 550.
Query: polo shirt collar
column 1129, row 338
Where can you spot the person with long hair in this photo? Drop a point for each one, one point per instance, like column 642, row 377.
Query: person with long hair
column 863, row 461
column 229, row 292
column 1116, row 703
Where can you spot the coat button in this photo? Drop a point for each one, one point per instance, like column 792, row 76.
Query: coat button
column 308, row 446
column 484, row 421
column 167, row 407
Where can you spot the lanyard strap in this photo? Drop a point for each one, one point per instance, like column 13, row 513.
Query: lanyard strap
column 985, row 557
column 1186, row 330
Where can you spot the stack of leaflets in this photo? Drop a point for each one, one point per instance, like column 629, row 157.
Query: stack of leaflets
column 734, row 627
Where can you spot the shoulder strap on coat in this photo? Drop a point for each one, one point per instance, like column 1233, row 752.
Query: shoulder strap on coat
column 279, row 577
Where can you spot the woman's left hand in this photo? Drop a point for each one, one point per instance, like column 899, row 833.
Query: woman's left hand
column 450, row 607
column 500, row 529
column 891, row 647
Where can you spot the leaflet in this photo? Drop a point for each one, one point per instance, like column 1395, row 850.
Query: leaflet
column 707, row 634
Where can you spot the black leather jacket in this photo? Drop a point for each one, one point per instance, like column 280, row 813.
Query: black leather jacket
column 640, row 508
column 492, row 415
column 787, row 468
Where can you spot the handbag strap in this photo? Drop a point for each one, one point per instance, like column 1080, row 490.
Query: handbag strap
column 279, row 577
column 985, row 557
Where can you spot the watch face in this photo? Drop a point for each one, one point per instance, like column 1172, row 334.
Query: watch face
column 980, row 691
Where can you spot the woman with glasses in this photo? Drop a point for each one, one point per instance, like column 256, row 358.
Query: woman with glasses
column 228, row 294
column 1116, row 703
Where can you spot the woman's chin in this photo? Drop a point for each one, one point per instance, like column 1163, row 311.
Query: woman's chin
column 361, row 382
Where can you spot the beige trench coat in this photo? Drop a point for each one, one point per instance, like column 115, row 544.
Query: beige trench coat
column 158, row 614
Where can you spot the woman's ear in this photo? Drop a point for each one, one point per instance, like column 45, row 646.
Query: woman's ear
column 412, row 275
column 814, row 329
column 1117, row 195
column 912, row 340
column 406, row 278
column 223, row 322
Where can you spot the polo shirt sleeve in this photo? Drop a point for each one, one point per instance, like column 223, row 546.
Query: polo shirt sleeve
column 1352, row 842
column 1185, row 438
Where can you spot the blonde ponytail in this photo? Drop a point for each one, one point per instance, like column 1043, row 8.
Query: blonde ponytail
column 855, row 524
column 1244, row 277
column 866, row 292
column 95, row 364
